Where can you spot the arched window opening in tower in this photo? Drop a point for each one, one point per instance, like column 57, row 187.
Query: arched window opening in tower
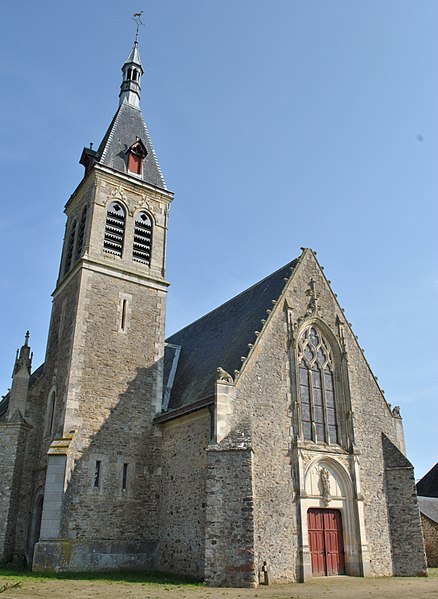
column 134, row 75
column 129, row 73
column 317, row 390
column 115, row 229
column 141, row 251
column 81, row 234
column 70, row 247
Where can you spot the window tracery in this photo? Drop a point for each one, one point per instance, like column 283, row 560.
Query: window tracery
column 316, row 388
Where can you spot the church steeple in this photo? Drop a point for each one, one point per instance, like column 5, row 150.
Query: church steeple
column 126, row 146
column 132, row 71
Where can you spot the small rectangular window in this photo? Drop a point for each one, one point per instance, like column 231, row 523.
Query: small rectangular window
column 97, row 475
column 125, row 477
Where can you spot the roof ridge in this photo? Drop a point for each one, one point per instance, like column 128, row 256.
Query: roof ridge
column 107, row 139
column 232, row 299
column 153, row 150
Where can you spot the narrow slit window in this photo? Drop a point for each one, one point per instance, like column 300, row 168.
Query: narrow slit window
column 70, row 247
column 123, row 315
column 142, row 238
column 115, row 229
column 97, row 473
column 51, row 413
column 81, row 234
column 125, row 477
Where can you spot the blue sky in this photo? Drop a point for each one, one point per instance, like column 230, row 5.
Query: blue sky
column 278, row 124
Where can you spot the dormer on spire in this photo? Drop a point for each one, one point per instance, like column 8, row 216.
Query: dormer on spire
column 132, row 72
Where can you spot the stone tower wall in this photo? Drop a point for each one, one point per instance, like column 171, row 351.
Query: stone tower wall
column 107, row 366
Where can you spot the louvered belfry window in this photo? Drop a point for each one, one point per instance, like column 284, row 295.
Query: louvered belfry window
column 316, row 388
column 115, row 229
column 81, row 233
column 70, row 247
column 142, row 238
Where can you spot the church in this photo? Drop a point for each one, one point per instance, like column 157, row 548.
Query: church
column 255, row 445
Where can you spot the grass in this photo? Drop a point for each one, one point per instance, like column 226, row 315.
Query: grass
column 433, row 572
column 128, row 577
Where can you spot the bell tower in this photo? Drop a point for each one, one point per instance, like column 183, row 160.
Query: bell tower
column 104, row 355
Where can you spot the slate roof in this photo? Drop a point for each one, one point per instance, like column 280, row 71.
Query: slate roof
column 220, row 338
column 128, row 124
column 428, row 485
column 429, row 507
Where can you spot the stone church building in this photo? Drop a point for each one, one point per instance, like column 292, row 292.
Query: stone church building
column 254, row 442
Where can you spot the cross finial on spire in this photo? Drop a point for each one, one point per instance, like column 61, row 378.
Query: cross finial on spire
column 26, row 338
column 137, row 18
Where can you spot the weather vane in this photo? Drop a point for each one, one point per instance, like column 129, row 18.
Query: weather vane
column 137, row 18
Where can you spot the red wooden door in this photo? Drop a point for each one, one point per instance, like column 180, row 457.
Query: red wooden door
column 326, row 542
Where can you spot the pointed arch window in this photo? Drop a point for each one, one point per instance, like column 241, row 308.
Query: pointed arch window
column 115, row 229
column 141, row 251
column 70, row 248
column 316, row 388
column 81, row 234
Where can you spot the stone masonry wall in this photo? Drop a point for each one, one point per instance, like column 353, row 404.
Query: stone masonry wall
column 112, row 388
column 12, row 452
column 112, row 402
column 183, row 479
column 430, row 532
column 264, row 396
column 229, row 542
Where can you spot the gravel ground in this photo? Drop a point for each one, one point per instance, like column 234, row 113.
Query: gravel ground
column 318, row 588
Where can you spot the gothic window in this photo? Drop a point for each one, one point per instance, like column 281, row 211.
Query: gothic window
column 70, row 247
column 114, row 229
column 136, row 154
column 141, row 251
column 316, row 388
column 81, row 234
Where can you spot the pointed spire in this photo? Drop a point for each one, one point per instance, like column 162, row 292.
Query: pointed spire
column 132, row 71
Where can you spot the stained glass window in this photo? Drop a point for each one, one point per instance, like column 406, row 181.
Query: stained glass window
column 316, row 388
